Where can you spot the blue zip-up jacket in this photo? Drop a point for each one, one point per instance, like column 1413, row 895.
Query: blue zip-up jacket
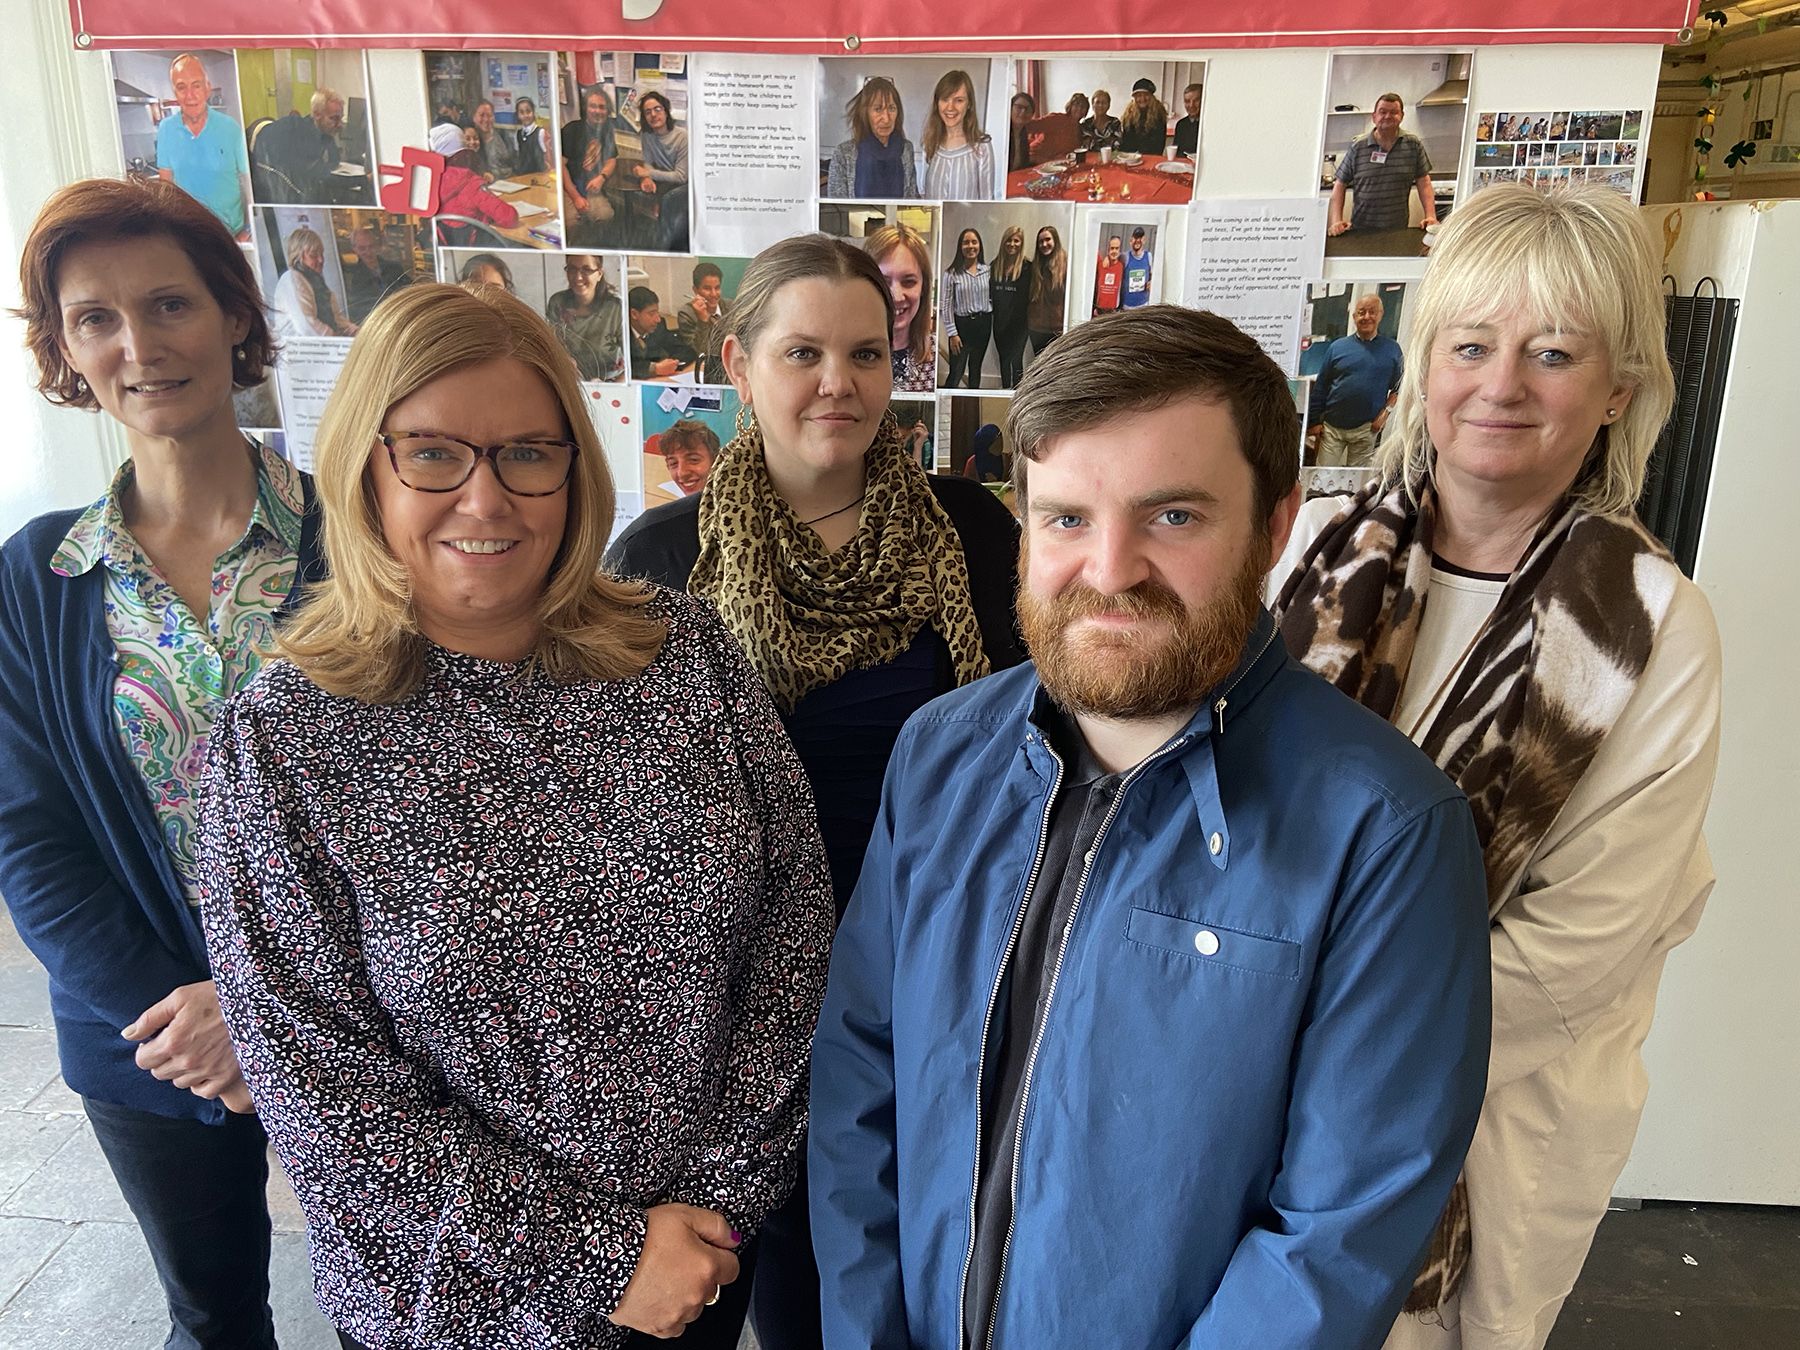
column 1263, row 1057
column 82, row 865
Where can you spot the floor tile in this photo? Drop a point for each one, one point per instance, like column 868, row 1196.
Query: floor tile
column 27, row 1064
column 24, row 988
column 299, row 1325
column 284, row 1209
column 25, row 1245
column 27, row 1142
column 74, row 1183
column 98, row 1292
column 24, row 996
column 55, row 1100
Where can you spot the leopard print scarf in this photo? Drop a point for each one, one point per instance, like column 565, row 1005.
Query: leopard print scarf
column 1544, row 682
column 806, row 617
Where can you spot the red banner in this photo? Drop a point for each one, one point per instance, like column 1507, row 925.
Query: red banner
column 834, row 27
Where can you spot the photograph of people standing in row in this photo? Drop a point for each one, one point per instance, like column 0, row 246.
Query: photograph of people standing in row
column 1011, row 299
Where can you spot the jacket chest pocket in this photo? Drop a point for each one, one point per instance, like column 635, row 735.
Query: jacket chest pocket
column 1214, row 944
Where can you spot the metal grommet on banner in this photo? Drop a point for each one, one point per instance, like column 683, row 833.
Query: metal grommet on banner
column 1684, row 37
column 84, row 41
column 852, row 43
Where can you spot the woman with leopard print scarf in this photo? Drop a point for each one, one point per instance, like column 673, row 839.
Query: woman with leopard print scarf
column 1493, row 594
column 860, row 586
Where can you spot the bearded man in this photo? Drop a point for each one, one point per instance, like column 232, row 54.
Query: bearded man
column 1160, row 1015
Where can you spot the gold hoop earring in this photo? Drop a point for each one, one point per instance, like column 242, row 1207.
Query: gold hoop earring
column 746, row 419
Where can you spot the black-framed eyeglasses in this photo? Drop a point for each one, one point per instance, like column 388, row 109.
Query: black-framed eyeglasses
column 434, row 461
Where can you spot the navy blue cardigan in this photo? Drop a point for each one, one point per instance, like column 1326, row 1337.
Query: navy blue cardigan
column 82, row 864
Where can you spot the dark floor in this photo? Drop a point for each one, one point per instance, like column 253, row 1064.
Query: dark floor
column 74, row 1272
column 1688, row 1277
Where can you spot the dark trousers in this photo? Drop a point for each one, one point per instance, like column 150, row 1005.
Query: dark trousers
column 974, row 330
column 200, row 1195
column 1009, row 343
column 784, row 1304
column 718, row 1328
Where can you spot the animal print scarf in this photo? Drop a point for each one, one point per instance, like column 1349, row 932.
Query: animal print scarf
column 806, row 616
column 1539, row 689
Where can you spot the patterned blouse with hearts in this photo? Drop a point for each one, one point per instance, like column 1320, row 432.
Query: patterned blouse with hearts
column 509, row 962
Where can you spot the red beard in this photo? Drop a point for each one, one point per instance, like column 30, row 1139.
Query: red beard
column 1138, row 674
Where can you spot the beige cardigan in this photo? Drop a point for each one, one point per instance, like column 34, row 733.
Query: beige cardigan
column 1578, row 947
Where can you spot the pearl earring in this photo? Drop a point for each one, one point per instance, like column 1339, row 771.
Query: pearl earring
column 239, row 353
column 1612, row 412
column 80, row 385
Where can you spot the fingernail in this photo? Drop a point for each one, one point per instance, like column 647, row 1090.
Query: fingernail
column 736, row 1237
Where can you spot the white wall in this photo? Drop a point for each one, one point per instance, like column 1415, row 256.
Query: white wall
column 59, row 128
column 1724, row 1070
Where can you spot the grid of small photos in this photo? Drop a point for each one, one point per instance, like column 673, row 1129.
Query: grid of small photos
column 1554, row 149
column 1003, row 199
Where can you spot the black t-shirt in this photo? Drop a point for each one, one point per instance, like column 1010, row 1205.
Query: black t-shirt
column 1009, row 298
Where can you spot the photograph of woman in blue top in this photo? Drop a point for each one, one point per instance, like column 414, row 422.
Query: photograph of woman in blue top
column 124, row 627
column 877, row 160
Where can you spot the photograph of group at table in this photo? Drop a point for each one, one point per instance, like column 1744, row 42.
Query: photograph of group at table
column 1104, row 131
column 909, row 128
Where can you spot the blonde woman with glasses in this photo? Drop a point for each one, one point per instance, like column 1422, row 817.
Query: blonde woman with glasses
column 515, row 896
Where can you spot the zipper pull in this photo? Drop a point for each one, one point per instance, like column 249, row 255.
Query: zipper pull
column 1219, row 716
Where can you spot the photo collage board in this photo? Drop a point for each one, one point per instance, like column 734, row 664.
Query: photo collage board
column 1004, row 200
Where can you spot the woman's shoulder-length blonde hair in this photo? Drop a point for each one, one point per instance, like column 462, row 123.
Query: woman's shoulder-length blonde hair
column 883, row 240
column 356, row 634
column 1575, row 260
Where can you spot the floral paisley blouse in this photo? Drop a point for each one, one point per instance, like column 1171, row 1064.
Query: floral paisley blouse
column 509, row 962
column 177, row 668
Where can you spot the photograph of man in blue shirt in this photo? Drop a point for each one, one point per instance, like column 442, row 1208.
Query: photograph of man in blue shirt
column 203, row 150
column 1352, row 394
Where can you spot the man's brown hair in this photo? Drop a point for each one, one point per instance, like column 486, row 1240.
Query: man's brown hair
column 1137, row 360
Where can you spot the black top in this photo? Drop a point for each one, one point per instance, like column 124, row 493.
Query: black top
column 1187, row 137
column 1148, row 140
column 659, row 344
column 1009, row 299
column 845, row 732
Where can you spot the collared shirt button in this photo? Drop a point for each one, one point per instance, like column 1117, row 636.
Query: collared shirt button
column 1206, row 942
column 1216, row 843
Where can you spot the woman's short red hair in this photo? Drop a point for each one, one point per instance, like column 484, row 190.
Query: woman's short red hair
column 98, row 210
